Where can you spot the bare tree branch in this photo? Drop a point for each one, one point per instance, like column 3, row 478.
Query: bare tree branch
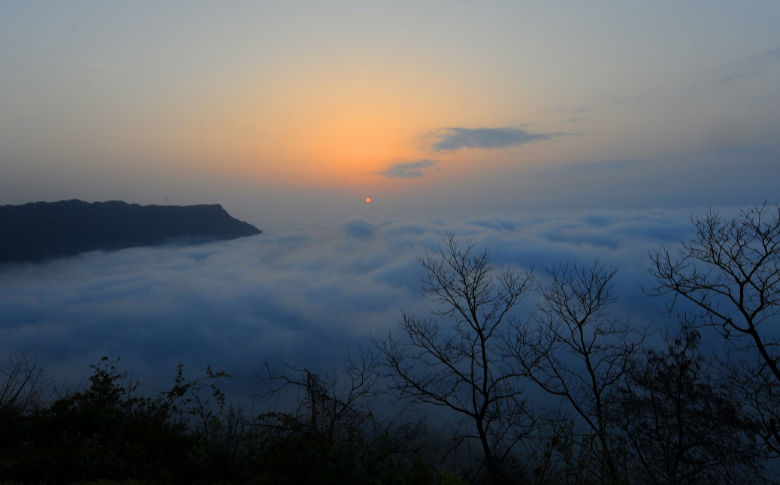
column 577, row 350
column 454, row 360
column 21, row 386
column 730, row 272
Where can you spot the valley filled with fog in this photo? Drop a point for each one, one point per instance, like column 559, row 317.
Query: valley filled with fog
column 308, row 293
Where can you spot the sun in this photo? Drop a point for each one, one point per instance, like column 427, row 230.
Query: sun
column 368, row 200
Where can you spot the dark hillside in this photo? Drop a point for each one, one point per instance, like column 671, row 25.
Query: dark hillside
column 44, row 230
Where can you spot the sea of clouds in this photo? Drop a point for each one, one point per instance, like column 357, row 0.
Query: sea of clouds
column 308, row 294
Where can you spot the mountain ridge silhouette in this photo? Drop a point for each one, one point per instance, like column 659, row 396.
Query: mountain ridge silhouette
column 38, row 231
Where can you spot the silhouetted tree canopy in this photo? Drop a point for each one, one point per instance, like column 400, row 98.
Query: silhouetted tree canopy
column 455, row 358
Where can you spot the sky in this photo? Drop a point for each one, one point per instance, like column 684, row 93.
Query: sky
column 297, row 111
column 547, row 131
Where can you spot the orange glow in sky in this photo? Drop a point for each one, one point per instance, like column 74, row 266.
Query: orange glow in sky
column 406, row 101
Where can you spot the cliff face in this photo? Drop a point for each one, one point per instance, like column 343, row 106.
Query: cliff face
column 43, row 230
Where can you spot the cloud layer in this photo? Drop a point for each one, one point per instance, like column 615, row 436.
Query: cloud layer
column 309, row 294
column 452, row 139
column 408, row 169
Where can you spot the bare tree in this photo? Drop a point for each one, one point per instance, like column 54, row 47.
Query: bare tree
column 578, row 351
column 342, row 431
column 333, row 404
column 454, row 359
column 682, row 421
column 21, row 386
column 730, row 273
column 553, row 450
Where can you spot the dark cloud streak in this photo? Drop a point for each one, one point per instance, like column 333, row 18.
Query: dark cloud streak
column 452, row 139
column 408, row 169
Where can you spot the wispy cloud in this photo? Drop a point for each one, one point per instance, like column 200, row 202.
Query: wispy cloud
column 407, row 170
column 771, row 55
column 738, row 70
column 451, row 139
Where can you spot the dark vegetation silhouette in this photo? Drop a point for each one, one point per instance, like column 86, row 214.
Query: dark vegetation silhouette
column 486, row 390
column 680, row 421
column 44, row 230
column 454, row 360
column 730, row 273
column 578, row 351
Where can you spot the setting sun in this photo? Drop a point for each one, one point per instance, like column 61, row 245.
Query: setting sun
column 368, row 200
